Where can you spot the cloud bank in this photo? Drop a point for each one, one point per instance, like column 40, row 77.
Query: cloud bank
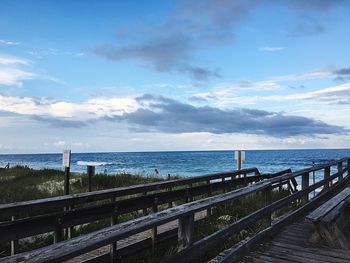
column 149, row 113
column 167, row 115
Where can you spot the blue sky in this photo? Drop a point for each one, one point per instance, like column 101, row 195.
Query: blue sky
column 174, row 75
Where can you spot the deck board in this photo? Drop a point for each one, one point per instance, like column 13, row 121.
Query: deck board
column 133, row 239
column 292, row 245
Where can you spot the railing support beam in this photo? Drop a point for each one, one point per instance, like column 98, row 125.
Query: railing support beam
column 340, row 171
column 305, row 181
column 185, row 231
column 327, row 174
column 114, row 221
column 267, row 194
column 14, row 243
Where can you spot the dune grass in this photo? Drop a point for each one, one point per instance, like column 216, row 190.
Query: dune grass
column 21, row 183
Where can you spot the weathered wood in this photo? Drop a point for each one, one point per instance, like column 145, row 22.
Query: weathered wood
column 22, row 228
column 340, row 170
column 114, row 220
column 90, row 170
column 238, row 251
column 185, row 231
column 58, row 233
column 79, row 245
column 267, row 193
column 295, row 184
column 154, row 229
column 66, row 180
column 327, row 172
column 209, row 194
column 14, row 243
column 170, row 204
column 326, row 219
column 332, row 235
column 7, row 210
column 67, row 249
column 321, row 211
column 305, row 184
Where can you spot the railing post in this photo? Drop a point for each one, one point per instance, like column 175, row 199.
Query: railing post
column 58, row 236
column 185, row 231
column 144, row 209
column 256, row 173
column 114, row 220
column 267, row 195
column 189, row 197
column 231, row 183
column 340, row 171
column 327, row 174
column 66, row 180
column 305, row 184
column 67, row 232
column 245, row 179
column 209, row 194
column 154, row 229
column 170, row 204
column 90, row 170
column 14, row 243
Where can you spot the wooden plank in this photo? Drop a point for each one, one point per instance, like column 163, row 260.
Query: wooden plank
column 7, row 210
column 22, row 228
column 334, row 253
column 238, row 251
column 307, row 255
column 185, row 231
column 220, row 236
column 79, row 245
column 326, row 174
column 304, row 185
column 329, row 205
column 189, row 210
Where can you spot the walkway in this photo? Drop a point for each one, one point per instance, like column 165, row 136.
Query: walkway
column 133, row 239
column 292, row 245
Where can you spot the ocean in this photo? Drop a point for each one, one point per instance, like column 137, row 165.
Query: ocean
column 181, row 163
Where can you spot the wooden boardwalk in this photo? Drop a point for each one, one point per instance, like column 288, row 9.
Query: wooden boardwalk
column 292, row 245
column 132, row 240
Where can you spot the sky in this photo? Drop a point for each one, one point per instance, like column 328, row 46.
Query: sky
column 101, row 75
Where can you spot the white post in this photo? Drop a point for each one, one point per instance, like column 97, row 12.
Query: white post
column 239, row 156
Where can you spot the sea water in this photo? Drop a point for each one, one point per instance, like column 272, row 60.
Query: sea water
column 182, row 163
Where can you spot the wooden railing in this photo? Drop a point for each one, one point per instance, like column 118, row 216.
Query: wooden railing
column 29, row 218
column 190, row 249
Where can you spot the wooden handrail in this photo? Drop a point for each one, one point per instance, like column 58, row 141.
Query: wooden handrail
column 45, row 223
column 214, row 239
column 10, row 209
column 82, row 244
column 76, row 246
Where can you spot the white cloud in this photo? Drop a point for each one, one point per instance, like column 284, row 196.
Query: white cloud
column 94, row 108
column 339, row 94
column 10, row 60
column 14, row 77
column 11, row 73
column 59, row 143
column 229, row 93
column 10, row 43
column 317, row 74
column 14, row 70
column 40, row 53
column 271, row 49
